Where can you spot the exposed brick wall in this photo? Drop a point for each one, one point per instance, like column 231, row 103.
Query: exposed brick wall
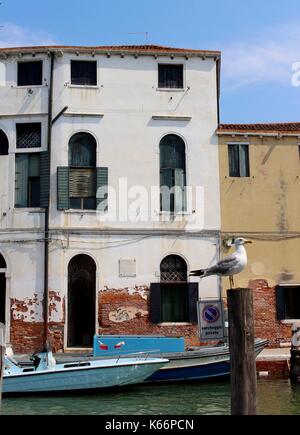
column 26, row 337
column 266, row 324
column 126, row 312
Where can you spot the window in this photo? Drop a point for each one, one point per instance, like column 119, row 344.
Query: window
column 3, row 144
column 29, row 135
column 172, row 174
column 174, row 300
column 82, row 163
column 170, row 76
column 27, row 184
column 239, row 161
column 83, row 73
column 288, row 302
column 30, row 73
column 2, row 74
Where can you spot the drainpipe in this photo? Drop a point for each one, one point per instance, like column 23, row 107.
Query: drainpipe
column 47, row 215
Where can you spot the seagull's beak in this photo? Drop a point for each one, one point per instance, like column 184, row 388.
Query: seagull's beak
column 248, row 242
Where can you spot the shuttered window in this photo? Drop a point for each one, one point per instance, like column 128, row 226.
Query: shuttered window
column 288, row 302
column 83, row 73
column 178, row 306
column 27, row 181
column 30, row 73
column 170, row 76
column 174, row 300
column 239, row 165
column 173, row 174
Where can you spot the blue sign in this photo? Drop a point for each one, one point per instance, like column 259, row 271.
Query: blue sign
column 211, row 320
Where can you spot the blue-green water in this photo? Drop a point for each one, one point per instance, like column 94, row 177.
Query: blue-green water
column 274, row 398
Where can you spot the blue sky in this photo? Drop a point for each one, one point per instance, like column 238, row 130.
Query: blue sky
column 260, row 41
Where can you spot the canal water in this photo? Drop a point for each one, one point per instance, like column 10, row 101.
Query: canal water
column 274, row 398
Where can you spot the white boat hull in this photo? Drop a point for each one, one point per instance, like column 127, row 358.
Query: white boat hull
column 97, row 375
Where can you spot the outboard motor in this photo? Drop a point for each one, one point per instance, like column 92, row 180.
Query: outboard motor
column 36, row 360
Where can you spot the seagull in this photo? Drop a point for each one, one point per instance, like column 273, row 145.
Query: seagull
column 229, row 266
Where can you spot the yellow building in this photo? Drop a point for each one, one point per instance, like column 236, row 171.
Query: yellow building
column 260, row 200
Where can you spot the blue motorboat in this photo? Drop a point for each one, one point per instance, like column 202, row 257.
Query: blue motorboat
column 203, row 363
column 46, row 376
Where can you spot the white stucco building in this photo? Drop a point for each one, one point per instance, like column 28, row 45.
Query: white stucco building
column 124, row 120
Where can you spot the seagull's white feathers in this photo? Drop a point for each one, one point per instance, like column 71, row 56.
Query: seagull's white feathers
column 229, row 266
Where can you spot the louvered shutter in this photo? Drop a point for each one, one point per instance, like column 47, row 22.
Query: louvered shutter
column 193, row 290
column 82, row 183
column 102, row 189
column 63, row 198
column 21, row 181
column 44, row 179
column 155, row 304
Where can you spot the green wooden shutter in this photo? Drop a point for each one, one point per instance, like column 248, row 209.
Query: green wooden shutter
column 280, row 303
column 63, row 199
column 102, row 189
column 44, row 179
column 155, row 304
column 21, row 181
column 193, row 302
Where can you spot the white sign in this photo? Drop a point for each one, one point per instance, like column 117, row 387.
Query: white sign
column 211, row 320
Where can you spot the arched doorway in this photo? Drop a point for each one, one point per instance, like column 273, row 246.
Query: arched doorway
column 81, row 301
column 2, row 290
column 174, row 290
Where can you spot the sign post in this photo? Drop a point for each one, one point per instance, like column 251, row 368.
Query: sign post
column 211, row 320
column 2, row 353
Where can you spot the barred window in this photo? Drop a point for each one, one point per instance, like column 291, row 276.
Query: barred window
column 83, row 73
column 173, row 269
column 30, row 73
column 29, row 135
column 170, row 76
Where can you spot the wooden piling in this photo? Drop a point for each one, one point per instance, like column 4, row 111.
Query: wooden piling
column 2, row 352
column 242, row 352
column 295, row 353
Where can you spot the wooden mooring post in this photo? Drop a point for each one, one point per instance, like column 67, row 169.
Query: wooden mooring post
column 295, row 353
column 242, row 352
column 2, row 352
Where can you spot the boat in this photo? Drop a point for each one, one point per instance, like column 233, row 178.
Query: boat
column 205, row 363
column 45, row 375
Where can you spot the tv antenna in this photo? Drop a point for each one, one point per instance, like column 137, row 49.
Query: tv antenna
column 141, row 33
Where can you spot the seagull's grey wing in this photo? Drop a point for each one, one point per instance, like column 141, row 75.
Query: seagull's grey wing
column 223, row 266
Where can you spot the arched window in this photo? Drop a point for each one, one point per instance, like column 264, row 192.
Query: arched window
column 82, row 164
column 173, row 269
column 174, row 290
column 172, row 174
column 81, row 301
column 3, row 144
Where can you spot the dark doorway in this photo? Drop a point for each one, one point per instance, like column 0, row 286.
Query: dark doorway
column 2, row 291
column 2, row 298
column 81, row 301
